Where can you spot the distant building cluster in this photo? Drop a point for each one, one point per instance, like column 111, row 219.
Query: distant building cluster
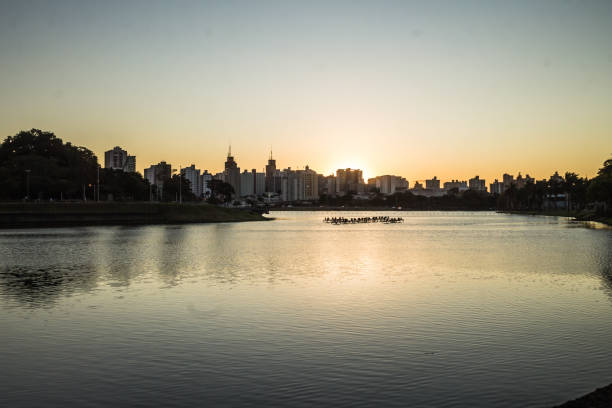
column 286, row 185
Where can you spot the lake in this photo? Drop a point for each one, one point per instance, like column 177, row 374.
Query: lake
column 448, row 309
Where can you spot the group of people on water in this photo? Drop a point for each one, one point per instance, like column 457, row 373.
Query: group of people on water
column 363, row 220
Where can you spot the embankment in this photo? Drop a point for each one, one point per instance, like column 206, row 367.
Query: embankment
column 60, row 214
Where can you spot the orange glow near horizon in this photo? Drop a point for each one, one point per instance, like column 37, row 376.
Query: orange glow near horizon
column 393, row 88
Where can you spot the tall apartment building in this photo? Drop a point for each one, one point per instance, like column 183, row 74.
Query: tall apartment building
column 327, row 185
column 272, row 179
column 193, row 175
column 290, row 185
column 349, row 180
column 389, row 184
column 118, row 159
column 311, row 184
column 477, row 184
column 157, row 174
column 507, row 180
column 496, row 187
column 231, row 174
column 252, row 183
column 204, row 179
column 522, row 181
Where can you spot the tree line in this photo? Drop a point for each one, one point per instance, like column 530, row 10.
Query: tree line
column 570, row 192
column 37, row 165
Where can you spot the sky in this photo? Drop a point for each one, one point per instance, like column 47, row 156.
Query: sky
column 419, row 89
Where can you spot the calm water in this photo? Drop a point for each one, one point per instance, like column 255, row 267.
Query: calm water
column 446, row 310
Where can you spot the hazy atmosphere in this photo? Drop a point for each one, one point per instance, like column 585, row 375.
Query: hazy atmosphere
column 451, row 89
column 306, row 204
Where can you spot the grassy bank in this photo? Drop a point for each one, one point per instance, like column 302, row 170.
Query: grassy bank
column 58, row 214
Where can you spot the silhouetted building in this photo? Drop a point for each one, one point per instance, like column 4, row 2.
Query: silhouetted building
column 459, row 185
column 349, row 180
column 204, row 179
column 231, row 174
column 260, row 183
column 273, row 181
column 247, row 183
column 157, row 174
column 522, row 181
column 432, row 184
column 193, row 175
column 389, row 184
column 556, row 178
column 118, row 159
column 311, row 184
column 418, row 189
column 327, row 185
column 507, row 180
column 477, row 184
column 496, row 187
column 252, row 183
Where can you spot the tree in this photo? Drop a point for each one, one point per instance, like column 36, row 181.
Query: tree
column 600, row 188
column 40, row 162
column 576, row 187
column 171, row 189
column 220, row 191
column 123, row 186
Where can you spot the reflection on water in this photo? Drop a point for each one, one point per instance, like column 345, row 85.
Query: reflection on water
column 447, row 309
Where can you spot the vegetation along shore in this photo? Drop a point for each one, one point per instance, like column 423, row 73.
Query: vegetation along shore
column 61, row 214
column 36, row 167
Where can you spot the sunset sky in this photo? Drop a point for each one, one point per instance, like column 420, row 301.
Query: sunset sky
column 423, row 88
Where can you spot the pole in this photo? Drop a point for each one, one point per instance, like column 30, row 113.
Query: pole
column 180, row 186
column 98, row 185
column 28, row 184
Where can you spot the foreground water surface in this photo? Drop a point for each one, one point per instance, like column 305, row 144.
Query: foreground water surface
column 445, row 310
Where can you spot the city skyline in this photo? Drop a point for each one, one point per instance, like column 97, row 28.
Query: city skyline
column 450, row 89
column 366, row 175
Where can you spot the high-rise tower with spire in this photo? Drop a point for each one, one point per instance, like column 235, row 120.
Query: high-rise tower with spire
column 231, row 174
column 271, row 186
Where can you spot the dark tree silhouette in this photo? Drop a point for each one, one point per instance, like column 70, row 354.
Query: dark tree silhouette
column 171, row 189
column 220, row 191
column 40, row 162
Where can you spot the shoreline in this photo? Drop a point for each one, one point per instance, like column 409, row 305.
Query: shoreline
column 374, row 209
column 600, row 398
column 79, row 214
column 583, row 216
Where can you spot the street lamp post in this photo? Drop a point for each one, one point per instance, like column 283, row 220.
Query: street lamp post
column 180, row 186
column 98, row 185
column 28, row 184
